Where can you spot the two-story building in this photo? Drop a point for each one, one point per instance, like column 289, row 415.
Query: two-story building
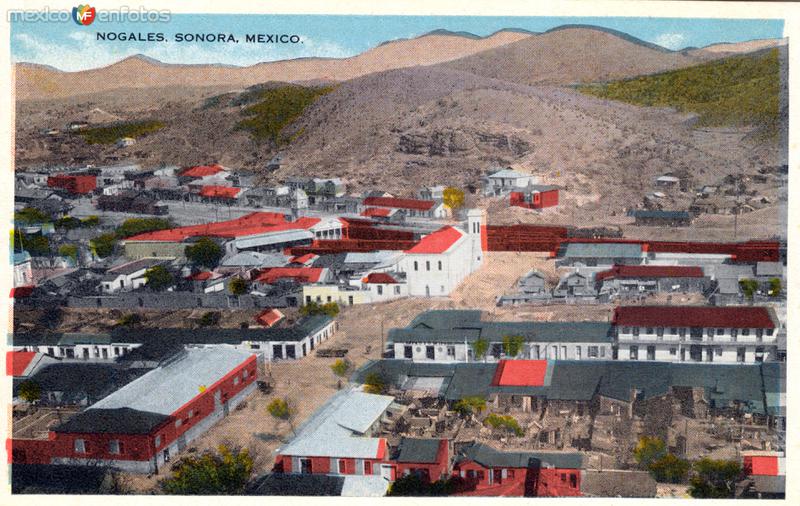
column 729, row 334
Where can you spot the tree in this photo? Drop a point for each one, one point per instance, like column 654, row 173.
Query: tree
column 136, row 226
column 225, row 472
column 209, row 318
column 103, row 245
column 69, row 251
column 749, row 287
column 29, row 391
column 453, row 197
column 35, row 244
column 31, row 216
column 470, row 405
column 68, row 223
column 648, row 450
column 90, row 221
column 341, row 367
column 775, row 287
column 237, row 286
column 714, row 479
column 158, row 278
column 513, row 345
column 504, row 422
column 280, row 409
column 374, row 383
column 204, row 252
column 670, row 469
column 130, row 320
column 480, row 347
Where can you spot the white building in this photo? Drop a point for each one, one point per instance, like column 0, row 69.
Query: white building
column 128, row 276
column 727, row 334
column 442, row 259
column 506, row 180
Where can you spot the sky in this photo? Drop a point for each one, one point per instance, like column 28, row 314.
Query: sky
column 69, row 46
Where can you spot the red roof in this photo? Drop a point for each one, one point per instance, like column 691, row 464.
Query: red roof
column 762, row 465
column 269, row 317
column 22, row 291
column 18, row 361
column 303, row 259
column 437, row 242
column 201, row 170
column 250, row 224
column 420, row 205
column 200, row 276
column 520, row 373
column 376, row 212
column 650, row 271
column 227, row 192
column 300, row 274
column 694, row 316
column 379, row 277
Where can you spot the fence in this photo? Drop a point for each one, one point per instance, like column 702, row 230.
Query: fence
column 183, row 300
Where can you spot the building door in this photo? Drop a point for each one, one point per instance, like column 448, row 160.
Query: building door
column 429, row 353
column 683, row 354
column 386, row 472
column 305, row 466
column 408, row 351
column 427, row 291
column 696, row 353
column 651, row 353
column 497, row 476
column 181, row 442
column 226, row 409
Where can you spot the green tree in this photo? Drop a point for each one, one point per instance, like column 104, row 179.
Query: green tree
column 775, row 287
column 237, row 286
column 470, row 405
column 374, row 383
column 314, row 308
column 670, row 469
column 714, row 479
column 90, row 221
column 512, row 345
column 29, row 391
column 69, row 251
column 504, row 422
column 649, row 450
column 35, row 244
column 103, row 245
column 224, row 472
column 479, row 348
column 453, row 197
column 31, row 216
column 136, row 226
column 205, row 252
column 341, row 367
column 749, row 287
column 68, row 223
column 158, row 278
column 280, row 409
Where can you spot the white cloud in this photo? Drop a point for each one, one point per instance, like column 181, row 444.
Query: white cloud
column 671, row 40
column 80, row 51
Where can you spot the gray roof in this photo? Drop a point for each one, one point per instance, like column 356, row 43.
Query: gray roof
column 119, row 420
column 418, row 450
column 256, row 259
column 177, row 382
column 329, row 432
column 488, row 457
column 602, row 250
column 617, row 483
column 508, row 173
column 135, row 266
column 284, row 236
column 769, row 269
column 669, row 215
column 445, row 318
column 728, row 286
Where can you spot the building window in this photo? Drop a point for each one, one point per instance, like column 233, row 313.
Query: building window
column 178, row 423
column 236, row 380
column 634, row 353
column 649, row 330
column 397, row 289
column 80, row 446
column 745, row 332
column 592, row 352
column 673, row 351
column 626, row 330
column 451, row 351
column 342, row 467
column 416, row 265
column 660, row 331
column 720, row 332
column 734, row 333
column 682, row 331
column 427, row 265
column 380, row 289
column 718, row 351
column 367, row 467
column 602, row 352
column 244, row 373
column 740, row 354
column 710, row 332
column 114, row 447
column 573, row 480
column 440, row 265
column 770, row 331
column 190, row 414
column 673, row 330
column 157, row 442
column 441, row 288
column 636, row 331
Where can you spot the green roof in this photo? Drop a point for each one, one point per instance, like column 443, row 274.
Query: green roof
column 602, row 250
column 488, row 457
column 418, row 450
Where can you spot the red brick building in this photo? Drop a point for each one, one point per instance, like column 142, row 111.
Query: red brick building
column 535, row 197
column 144, row 424
column 78, row 184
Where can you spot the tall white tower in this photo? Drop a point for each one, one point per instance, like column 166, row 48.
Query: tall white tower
column 476, row 230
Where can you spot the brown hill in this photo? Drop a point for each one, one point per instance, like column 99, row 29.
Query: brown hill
column 41, row 82
column 730, row 48
column 571, row 55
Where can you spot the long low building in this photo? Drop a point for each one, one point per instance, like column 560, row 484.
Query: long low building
column 275, row 343
column 143, row 425
column 654, row 333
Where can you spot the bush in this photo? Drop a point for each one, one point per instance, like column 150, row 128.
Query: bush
column 504, row 422
column 136, row 226
column 69, row 251
column 279, row 408
column 112, row 133
column 158, row 278
column 68, row 223
column 453, row 197
column 209, row 319
column 205, row 252
column 225, row 472
column 278, row 108
column 775, row 287
column 749, row 287
column 29, row 391
column 313, row 308
column 470, row 405
column 480, row 347
column 103, row 245
column 374, row 383
column 35, row 244
column 237, row 286
column 90, row 221
column 130, row 320
column 670, row 469
column 649, row 450
column 512, row 345
column 715, row 479
column 340, row 367
column 31, row 216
